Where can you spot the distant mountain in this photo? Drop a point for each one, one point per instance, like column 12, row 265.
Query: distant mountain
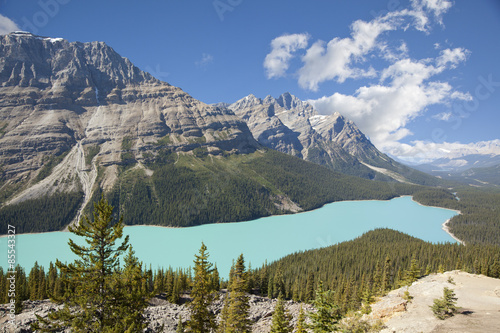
column 77, row 120
column 292, row 126
column 474, row 169
column 460, row 164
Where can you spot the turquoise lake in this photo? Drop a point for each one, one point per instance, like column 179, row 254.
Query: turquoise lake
column 268, row 238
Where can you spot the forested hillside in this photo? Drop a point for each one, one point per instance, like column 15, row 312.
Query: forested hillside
column 173, row 189
column 368, row 266
column 479, row 221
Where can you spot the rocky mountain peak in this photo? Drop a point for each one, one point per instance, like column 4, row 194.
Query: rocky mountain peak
column 289, row 101
column 60, row 98
column 28, row 60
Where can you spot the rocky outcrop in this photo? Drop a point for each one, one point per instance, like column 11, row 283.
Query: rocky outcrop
column 478, row 302
column 161, row 315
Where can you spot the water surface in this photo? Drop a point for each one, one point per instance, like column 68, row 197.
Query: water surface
column 268, row 238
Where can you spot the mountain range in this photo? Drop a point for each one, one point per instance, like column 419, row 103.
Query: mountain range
column 78, row 120
column 473, row 169
column 294, row 127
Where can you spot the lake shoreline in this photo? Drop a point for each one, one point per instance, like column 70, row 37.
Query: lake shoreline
column 444, row 226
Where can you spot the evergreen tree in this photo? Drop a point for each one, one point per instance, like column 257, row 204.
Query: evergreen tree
column 310, row 287
column 386, row 275
column 202, row 319
column 279, row 283
column 215, row 279
column 327, row 315
column 413, row 273
column 22, row 289
column 281, row 321
column 91, row 279
column 446, row 306
column 236, row 318
column 131, row 300
column 301, row 322
column 3, row 287
column 180, row 326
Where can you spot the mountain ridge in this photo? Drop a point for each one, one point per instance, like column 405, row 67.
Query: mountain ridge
column 77, row 119
column 292, row 126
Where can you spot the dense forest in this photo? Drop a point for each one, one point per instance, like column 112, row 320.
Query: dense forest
column 479, row 219
column 49, row 213
column 368, row 266
column 187, row 190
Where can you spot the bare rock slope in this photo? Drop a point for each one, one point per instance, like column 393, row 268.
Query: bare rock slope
column 478, row 303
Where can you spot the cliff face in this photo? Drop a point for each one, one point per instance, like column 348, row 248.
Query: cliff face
column 68, row 99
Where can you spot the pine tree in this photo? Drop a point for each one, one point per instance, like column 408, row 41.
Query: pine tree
column 446, row 306
column 180, row 326
column 235, row 318
column 3, row 287
column 202, row 319
column 22, row 289
column 413, row 273
column 310, row 287
column 215, row 279
column 131, row 300
column 387, row 275
column 33, row 282
column 301, row 322
column 51, row 280
column 281, row 321
column 42, row 286
column 327, row 315
column 91, row 280
column 279, row 283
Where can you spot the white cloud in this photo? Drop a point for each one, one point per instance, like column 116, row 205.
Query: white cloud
column 332, row 61
column 343, row 58
column 422, row 9
column 382, row 111
column 425, row 151
column 452, row 57
column 444, row 116
column 400, row 91
column 7, row 25
column 277, row 61
column 205, row 60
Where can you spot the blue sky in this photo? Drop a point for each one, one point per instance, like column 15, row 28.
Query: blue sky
column 421, row 78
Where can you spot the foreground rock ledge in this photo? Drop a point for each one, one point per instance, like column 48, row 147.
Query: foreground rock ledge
column 160, row 313
column 478, row 305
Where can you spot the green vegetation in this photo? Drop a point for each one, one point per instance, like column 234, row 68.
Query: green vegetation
column 281, row 321
column 353, row 274
column 446, row 306
column 127, row 142
column 165, row 141
column 91, row 152
column 107, row 298
column 378, row 261
column 49, row 213
column 202, row 318
column 479, row 221
column 187, row 190
column 3, row 126
column 234, row 315
column 49, row 165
